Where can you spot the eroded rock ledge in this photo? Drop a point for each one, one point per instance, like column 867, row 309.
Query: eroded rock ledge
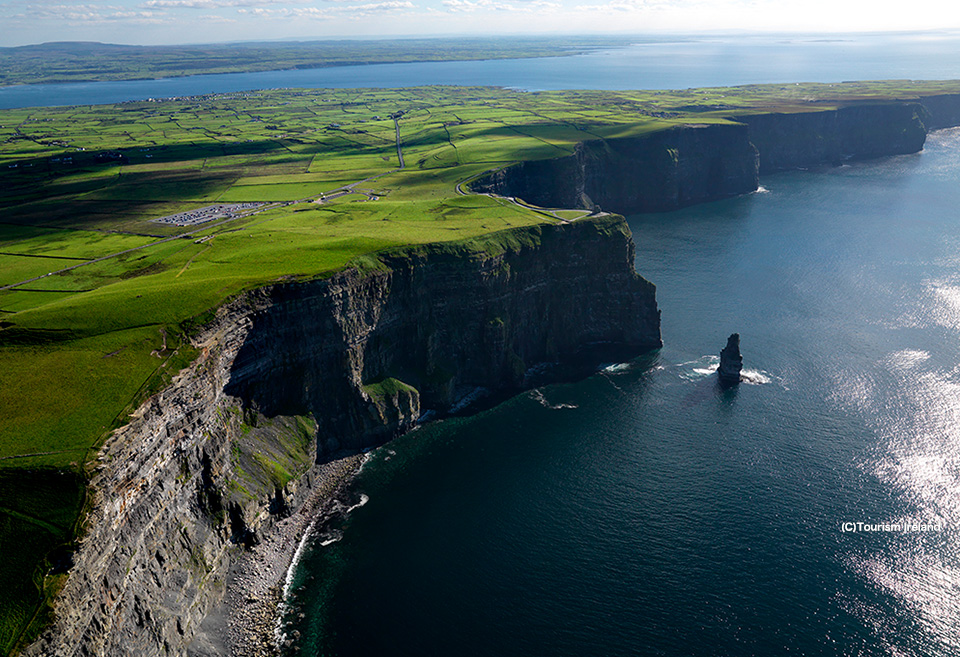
column 292, row 375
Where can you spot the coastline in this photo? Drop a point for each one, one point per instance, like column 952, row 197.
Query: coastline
column 245, row 622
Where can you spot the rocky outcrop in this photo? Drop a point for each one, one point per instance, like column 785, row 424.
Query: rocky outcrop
column 664, row 170
column 829, row 137
column 731, row 362
column 292, row 374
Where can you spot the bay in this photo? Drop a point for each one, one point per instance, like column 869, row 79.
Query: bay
column 651, row 63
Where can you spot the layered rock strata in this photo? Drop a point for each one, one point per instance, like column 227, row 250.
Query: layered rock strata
column 292, row 375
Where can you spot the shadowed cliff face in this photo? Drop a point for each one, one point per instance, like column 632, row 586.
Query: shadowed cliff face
column 682, row 166
column 665, row 170
column 810, row 139
column 942, row 111
column 368, row 353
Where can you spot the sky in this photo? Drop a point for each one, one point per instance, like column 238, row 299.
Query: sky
column 209, row 21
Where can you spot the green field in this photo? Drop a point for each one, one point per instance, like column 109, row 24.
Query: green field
column 80, row 348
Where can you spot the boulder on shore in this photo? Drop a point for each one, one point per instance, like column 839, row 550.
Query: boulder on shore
column 731, row 362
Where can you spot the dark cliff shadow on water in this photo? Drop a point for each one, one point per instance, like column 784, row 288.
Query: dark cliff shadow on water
column 709, row 389
column 726, row 394
column 735, row 211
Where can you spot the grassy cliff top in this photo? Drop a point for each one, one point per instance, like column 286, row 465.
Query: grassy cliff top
column 96, row 297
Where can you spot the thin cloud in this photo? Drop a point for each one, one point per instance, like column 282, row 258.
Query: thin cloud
column 379, row 6
column 90, row 13
column 213, row 4
column 286, row 12
column 337, row 11
column 467, row 6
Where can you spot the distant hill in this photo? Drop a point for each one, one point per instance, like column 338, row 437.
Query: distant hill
column 87, row 61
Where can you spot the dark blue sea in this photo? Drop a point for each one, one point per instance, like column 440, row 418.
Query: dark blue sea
column 651, row 63
column 644, row 511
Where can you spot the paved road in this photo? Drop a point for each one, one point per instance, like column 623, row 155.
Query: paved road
column 351, row 188
column 396, row 123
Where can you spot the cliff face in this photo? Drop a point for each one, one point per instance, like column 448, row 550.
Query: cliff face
column 292, row 374
column 665, row 170
column 943, row 111
column 681, row 166
column 810, row 139
column 439, row 331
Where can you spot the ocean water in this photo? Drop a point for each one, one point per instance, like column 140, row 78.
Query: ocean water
column 643, row 511
column 675, row 63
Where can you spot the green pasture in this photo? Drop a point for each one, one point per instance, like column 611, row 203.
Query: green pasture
column 14, row 268
column 12, row 301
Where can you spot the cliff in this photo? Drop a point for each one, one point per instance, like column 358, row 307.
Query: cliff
column 292, row 375
column 942, row 111
column 685, row 165
column 664, row 170
column 816, row 138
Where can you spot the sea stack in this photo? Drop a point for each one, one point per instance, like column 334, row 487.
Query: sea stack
column 731, row 362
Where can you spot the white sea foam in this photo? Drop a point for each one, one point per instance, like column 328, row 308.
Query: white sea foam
column 283, row 608
column 617, row 367
column 364, row 459
column 754, row 377
column 538, row 395
column 762, row 190
column 610, row 380
column 331, row 540
column 363, row 500
column 694, row 370
column 308, row 536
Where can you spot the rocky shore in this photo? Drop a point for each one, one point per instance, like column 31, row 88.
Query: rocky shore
column 245, row 623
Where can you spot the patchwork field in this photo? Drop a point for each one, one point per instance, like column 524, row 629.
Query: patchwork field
column 97, row 300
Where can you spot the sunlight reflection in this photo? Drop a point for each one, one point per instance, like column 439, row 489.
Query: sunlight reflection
column 920, row 459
